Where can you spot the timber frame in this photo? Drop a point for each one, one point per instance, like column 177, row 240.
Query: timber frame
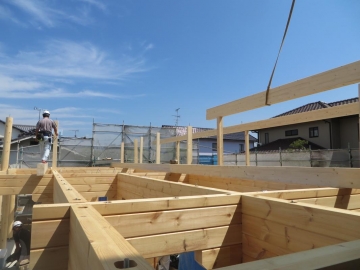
column 232, row 217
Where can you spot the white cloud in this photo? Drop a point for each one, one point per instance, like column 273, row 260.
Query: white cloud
column 66, row 59
column 37, row 9
column 47, row 13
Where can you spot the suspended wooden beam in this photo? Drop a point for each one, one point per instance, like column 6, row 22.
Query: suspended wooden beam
column 332, row 79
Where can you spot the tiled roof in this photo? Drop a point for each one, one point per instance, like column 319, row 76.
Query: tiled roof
column 237, row 136
column 24, row 127
column 318, row 105
column 284, row 144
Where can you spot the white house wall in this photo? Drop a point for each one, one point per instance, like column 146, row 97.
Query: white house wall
column 205, row 146
column 303, row 131
column 15, row 132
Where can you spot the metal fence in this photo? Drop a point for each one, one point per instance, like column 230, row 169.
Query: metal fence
column 104, row 148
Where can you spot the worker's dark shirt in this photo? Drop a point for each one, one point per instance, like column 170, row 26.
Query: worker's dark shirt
column 25, row 236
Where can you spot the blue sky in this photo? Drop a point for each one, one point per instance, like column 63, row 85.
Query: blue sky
column 138, row 61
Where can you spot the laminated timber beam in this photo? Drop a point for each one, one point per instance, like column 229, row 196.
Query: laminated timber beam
column 95, row 244
column 341, row 256
column 321, row 114
column 332, row 79
column 64, row 192
column 322, row 177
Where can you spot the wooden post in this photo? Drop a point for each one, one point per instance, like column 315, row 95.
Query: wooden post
column 122, row 153
column 247, row 148
column 158, row 148
column 8, row 201
column 178, row 152
column 141, row 150
column 11, row 214
column 189, row 145
column 7, row 143
column 55, row 148
column 220, row 141
column 136, row 158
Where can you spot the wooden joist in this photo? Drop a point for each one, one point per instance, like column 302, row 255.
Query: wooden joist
column 95, row 244
column 179, row 242
column 64, row 192
column 344, row 255
column 150, row 223
column 323, row 177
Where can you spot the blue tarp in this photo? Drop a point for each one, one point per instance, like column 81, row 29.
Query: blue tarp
column 187, row 262
column 208, row 160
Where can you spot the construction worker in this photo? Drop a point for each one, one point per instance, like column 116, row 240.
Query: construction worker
column 43, row 133
column 22, row 238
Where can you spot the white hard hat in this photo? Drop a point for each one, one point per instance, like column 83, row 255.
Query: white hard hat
column 46, row 113
column 17, row 224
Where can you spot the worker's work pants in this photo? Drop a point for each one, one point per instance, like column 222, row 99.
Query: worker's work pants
column 47, row 148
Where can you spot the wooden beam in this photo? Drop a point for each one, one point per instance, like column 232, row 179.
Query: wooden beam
column 159, row 222
column 342, row 224
column 129, row 186
column 321, row 177
column 49, row 258
column 312, row 259
column 136, row 151
column 64, row 192
column 160, row 204
column 8, row 201
column 95, row 244
column 335, row 78
column 305, row 117
column 342, row 202
column 220, row 141
column 189, row 145
column 178, row 152
column 174, row 243
column 122, row 152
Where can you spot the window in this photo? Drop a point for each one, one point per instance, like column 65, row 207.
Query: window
column 214, row 146
column 313, row 132
column 241, row 147
column 266, row 138
column 292, row 132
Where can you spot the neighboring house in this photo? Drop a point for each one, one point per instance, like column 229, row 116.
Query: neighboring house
column 22, row 136
column 233, row 143
column 335, row 133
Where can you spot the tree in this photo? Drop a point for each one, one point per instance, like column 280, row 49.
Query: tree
column 299, row 144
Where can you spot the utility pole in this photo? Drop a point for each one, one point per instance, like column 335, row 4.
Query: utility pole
column 76, row 130
column 177, row 116
column 38, row 109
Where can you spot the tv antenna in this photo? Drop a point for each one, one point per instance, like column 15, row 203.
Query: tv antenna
column 76, row 130
column 177, row 116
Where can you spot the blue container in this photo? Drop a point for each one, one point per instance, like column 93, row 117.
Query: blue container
column 103, row 199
